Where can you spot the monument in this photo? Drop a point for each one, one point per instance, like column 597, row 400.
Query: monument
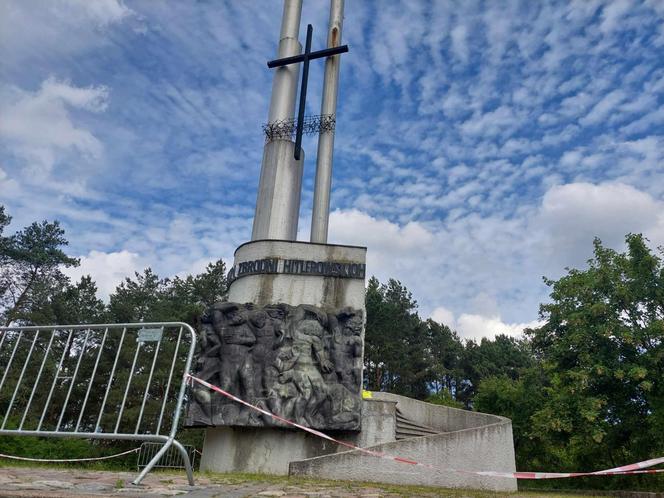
column 290, row 338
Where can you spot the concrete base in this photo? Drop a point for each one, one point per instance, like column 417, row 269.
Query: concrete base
column 262, row 451
column 270, row 451
column 464, row 441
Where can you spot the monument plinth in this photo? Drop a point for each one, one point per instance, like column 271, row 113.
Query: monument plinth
column 290, row 339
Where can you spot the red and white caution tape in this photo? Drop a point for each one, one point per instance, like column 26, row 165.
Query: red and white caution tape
column 68, row 460
column 634, row 468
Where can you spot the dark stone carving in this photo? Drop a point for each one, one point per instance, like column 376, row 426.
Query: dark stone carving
column 301, row 363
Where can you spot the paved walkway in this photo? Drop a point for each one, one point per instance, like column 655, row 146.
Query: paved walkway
column 55, row 483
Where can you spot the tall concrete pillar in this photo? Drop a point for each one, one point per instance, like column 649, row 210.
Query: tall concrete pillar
column 321, row 209
column 278, row 202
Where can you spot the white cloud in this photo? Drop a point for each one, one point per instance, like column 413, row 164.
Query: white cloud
column 102, row 12
column 602, row 108
column 487, row 269
column 107, row 269
column 612, row 13
column 39, row 128
column 443, row 315
column 474, row 326
column 571, row 215
column 459, row 36
column 33, row 31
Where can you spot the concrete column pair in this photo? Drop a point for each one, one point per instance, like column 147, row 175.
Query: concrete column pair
column 280, row 185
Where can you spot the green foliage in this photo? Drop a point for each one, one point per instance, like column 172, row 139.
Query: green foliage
column 30, row 271
column 444, row 398
column 501, row 356
column 603, row 351
column 396, row 357
column 518, row 399
column 152, row 299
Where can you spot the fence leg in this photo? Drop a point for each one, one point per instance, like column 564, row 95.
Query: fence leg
column 160, row 453
column 187, row 463
column 153, row 462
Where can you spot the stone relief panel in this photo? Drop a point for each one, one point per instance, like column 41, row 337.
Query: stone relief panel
column 299, row 362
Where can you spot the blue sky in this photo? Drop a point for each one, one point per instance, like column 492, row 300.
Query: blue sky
column 480, row 145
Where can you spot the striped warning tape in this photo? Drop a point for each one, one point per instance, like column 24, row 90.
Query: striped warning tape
column 634, row 468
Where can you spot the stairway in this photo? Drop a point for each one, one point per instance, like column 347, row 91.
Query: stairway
column 407, row 428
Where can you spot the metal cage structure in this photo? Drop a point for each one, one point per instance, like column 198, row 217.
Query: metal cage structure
column 101, row 381
column 286, row 129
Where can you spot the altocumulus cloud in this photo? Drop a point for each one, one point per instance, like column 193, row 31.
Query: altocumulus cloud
column 479, row 147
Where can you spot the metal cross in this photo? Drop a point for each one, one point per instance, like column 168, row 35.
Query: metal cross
column 305, row 58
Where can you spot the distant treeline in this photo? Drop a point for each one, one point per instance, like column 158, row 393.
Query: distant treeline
column 584, row 392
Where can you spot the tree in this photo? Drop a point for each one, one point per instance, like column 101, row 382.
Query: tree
column 31, row 263
column 519, row 399
column 78, row 304
column 446, row 353
column 503, row 355
column 140, row 300
column 602, row 348
column 150, row 298
column 397, row 356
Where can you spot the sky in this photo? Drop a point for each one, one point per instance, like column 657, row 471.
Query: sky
column 479, row 145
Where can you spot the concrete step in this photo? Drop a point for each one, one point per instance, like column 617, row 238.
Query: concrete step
column 407, row 428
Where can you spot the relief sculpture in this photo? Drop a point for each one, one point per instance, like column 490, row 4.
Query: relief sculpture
column 299, row 362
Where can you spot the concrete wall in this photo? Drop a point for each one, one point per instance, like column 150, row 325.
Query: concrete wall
column 470, row 441
column 269, row 451
column 262, row 451
column 485, row 448
column 325, row 292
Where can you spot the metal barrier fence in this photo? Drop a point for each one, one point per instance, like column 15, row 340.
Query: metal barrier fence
column 172, row 459
column 108, row 381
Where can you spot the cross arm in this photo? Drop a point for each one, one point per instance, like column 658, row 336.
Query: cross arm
column 326, row 52
column 285, row 61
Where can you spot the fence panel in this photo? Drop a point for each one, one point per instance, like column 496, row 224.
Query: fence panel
column 107, row 381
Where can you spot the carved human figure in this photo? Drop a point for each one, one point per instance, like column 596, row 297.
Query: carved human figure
column 237, row 338
column 208, row 365
column 308, row 361
column 302, row 363
column 347, row 349
column 344, row 408
column 268, row 327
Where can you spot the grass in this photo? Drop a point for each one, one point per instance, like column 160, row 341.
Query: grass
column 389, row 489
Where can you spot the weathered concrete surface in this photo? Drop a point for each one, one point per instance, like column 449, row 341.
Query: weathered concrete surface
column 487, row 448
column 442, row 418
column 324, row 292
column 278, row 202
column 259, row 450
column 483, row 446
column 270, row 451
column 378, row 424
